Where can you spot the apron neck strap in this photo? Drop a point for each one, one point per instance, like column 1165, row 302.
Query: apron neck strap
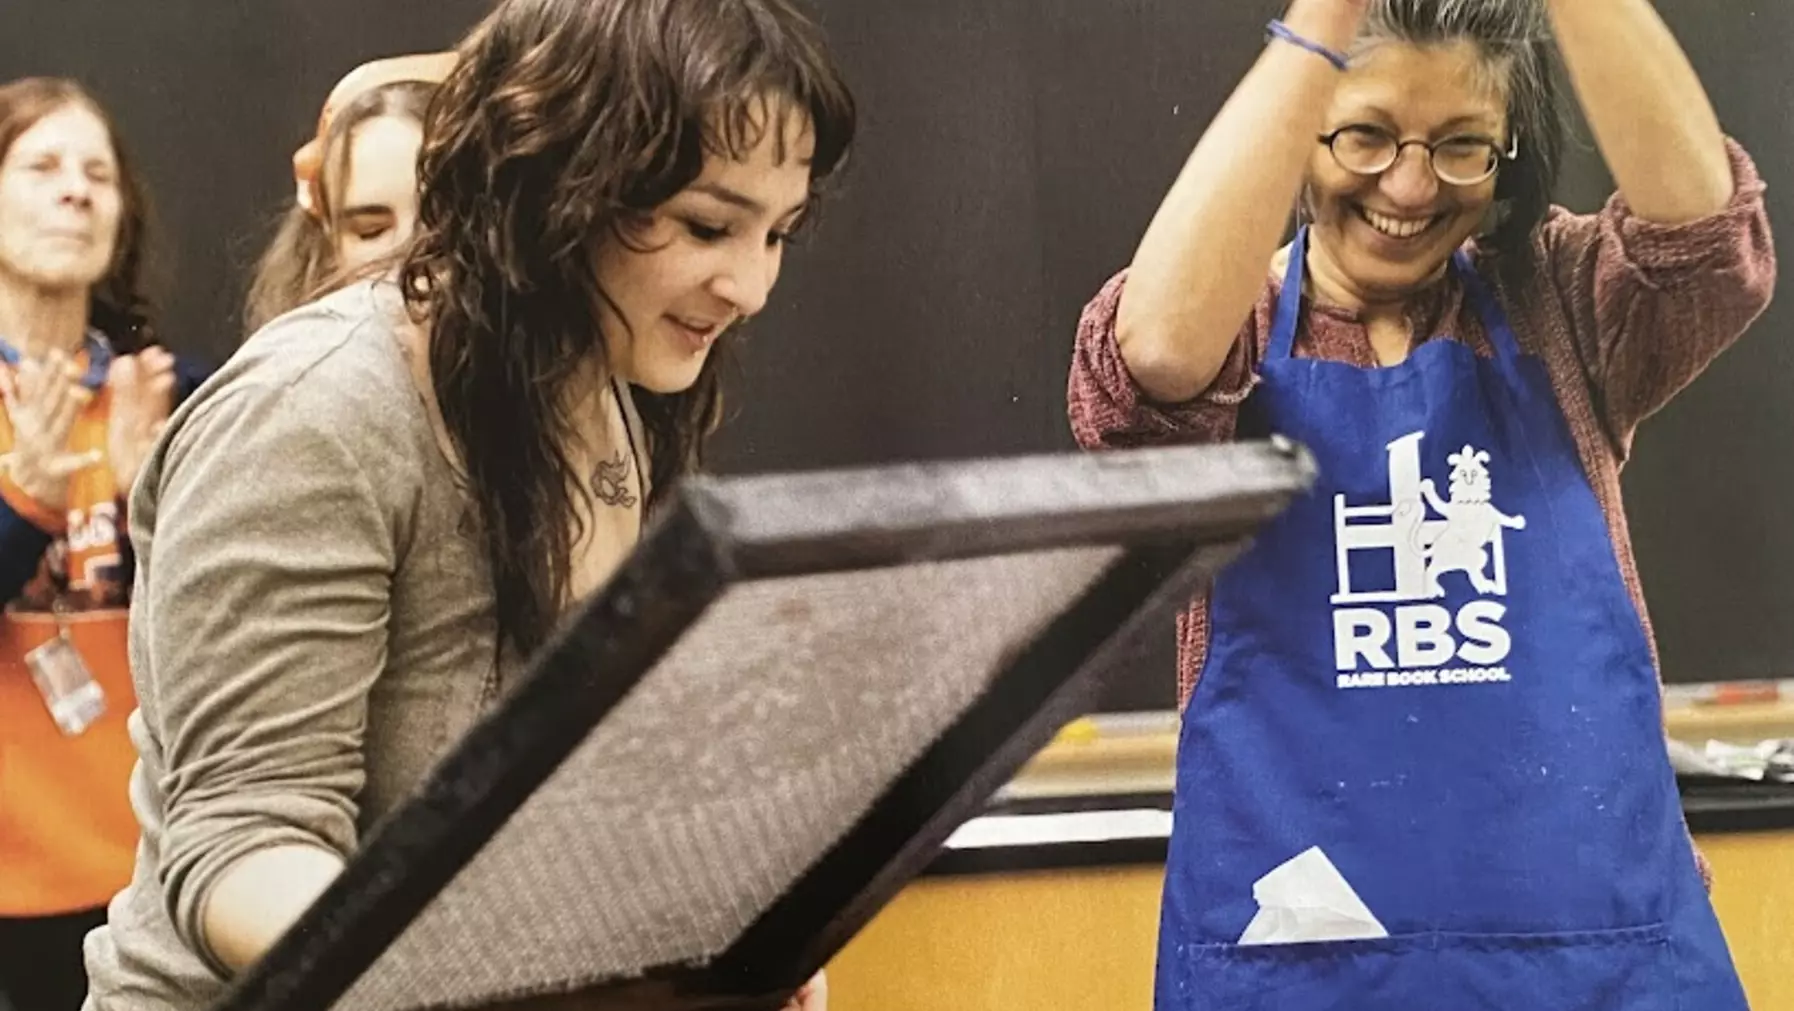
column 1288, row 318
column 1289, row 301
column 1488, row 308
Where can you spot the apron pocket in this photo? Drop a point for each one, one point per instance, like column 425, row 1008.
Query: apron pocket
column 1599, row 970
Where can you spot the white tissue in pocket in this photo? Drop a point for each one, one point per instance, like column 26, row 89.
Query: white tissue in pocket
column 1307, row 899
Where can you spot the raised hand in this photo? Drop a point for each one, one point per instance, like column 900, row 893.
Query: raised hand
column 1657, row 131
column 142, row 387
column 43, row 398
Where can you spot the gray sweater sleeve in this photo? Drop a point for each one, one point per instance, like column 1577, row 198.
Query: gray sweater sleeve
column 262, row 613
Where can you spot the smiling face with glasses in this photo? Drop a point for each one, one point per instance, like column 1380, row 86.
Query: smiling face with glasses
column 1459, row 160
column 1406, row 171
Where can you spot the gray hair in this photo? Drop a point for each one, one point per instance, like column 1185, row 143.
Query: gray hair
column 1514, row 38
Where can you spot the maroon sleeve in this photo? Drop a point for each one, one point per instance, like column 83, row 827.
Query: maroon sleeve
column 1108, row 410
column 1651, row 305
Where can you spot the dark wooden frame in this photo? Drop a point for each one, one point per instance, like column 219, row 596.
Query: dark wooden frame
column 1179, row 513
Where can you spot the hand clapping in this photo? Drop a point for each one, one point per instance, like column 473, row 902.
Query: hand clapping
column 43, row 398
column 142, row 387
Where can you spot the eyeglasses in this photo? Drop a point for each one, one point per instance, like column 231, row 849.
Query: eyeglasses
column 1460, row 161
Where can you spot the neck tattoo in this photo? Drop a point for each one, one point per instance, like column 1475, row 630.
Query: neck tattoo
column 610, row 482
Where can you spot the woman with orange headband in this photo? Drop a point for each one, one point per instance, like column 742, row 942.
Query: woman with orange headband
column 356, row 198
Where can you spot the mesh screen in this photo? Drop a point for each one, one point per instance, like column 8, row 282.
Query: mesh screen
column 756, row 743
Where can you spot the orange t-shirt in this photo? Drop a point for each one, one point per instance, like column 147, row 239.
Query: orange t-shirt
column 67, row 834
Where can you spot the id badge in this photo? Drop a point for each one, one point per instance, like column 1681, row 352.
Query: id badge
column 74, row 697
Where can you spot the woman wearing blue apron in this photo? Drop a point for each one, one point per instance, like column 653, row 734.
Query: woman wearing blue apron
column 1422, row 768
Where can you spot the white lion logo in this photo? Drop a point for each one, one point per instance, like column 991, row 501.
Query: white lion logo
column 1472, row 523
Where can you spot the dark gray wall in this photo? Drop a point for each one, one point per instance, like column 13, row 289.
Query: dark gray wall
column 212, row 98
column 1011, row 154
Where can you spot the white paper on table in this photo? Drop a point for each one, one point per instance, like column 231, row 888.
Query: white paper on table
column 1306, row 899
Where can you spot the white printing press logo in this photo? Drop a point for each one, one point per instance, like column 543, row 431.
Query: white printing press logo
column 1400, row 633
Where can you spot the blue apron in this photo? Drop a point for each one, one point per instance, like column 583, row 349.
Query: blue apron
column 1431, row 670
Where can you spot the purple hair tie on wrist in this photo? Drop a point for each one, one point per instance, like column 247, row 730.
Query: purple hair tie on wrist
column 1279, row 30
